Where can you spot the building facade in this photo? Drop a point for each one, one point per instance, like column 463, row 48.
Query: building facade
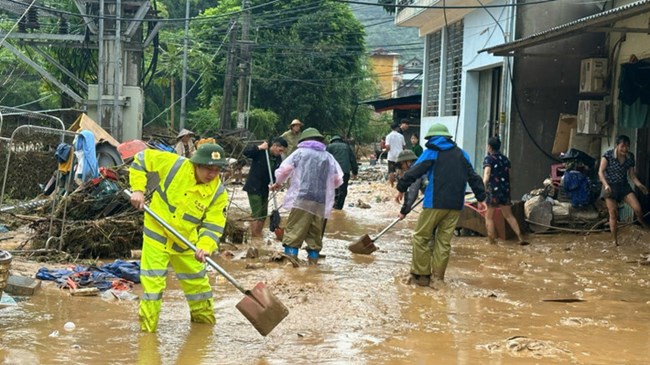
column 512, row 69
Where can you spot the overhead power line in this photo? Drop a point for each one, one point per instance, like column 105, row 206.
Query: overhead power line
column 443, row 7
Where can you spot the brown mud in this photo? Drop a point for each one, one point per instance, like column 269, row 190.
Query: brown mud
column 564, row 299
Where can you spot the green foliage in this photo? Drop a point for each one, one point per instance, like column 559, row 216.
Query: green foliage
column 310, row 74
column 38, row 92
column 263, row 123
column 19, row 89
column 319, row 81
column 155, row 103
column 175, row 9
column 202, row 120
column 307, row 61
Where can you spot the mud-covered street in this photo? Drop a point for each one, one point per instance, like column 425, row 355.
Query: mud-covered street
column 566, row 298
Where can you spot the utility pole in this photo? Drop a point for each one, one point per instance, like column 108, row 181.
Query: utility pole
column 243, row 66
column 116, row 123
column 226, row 102
column 184, row 84
column 114, row 28
column 100, row 62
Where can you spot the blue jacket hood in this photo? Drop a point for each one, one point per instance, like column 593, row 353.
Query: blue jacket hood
column 440, row 143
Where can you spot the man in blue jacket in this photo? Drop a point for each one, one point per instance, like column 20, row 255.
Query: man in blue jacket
column 448, row 169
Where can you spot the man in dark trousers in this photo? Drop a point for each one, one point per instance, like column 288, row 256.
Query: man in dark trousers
column 344, row 155
column 448, row 169
column 258, row 181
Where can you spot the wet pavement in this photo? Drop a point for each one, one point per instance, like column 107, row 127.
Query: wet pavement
column 566, row 298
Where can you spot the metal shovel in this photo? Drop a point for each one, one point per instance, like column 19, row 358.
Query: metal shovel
column 366, row 245
column 259, row 306
column 274, row 222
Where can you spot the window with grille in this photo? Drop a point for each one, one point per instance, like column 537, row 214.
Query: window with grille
column 453, row 68
column 433, row 74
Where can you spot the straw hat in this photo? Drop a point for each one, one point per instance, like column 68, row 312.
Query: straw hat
column 184, row 132
column 295, row 122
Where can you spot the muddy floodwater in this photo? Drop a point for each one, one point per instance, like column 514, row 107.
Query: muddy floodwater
column 565, row 299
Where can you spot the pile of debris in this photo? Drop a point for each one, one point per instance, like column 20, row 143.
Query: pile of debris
column 95, row 220
column 569, row 197
column 372, row 172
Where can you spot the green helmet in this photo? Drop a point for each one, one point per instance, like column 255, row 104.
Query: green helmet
column 210, row 154
column 406, row 155
column 335, row 137
column 310, row 133
column 437, row 129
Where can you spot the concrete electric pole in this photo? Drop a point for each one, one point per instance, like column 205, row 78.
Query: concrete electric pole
column 184, row 82
column 243, row 65
column 114, row 28
column 226, row 102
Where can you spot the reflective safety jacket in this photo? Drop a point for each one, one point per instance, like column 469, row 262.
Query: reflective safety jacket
column 196, row 211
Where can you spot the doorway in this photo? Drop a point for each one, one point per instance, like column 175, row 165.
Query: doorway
column 489, row 104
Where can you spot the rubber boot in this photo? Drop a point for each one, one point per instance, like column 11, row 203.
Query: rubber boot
column 312, row 256
column 291, row 251
column 438, row 280
column 421, row 280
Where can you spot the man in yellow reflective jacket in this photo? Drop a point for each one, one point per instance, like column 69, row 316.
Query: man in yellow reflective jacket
column 192, row 199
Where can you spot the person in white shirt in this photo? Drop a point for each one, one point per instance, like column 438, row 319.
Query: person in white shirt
column 394, row 144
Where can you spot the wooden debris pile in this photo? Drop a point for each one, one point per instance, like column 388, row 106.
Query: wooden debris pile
column 94, row 221
column 97, row 221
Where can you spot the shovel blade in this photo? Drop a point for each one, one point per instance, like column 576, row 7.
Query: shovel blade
column 279, row 233
column 262, row 309
column 363, row 246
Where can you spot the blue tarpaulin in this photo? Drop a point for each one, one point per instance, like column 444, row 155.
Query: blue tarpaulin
column 101, row 277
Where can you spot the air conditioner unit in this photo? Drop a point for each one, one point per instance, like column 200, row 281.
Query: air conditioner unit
column 591, row 116
column 593, row 73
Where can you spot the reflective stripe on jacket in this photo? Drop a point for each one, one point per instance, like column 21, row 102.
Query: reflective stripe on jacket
column 196, row 211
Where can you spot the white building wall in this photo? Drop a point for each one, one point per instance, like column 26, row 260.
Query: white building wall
column 481, row 31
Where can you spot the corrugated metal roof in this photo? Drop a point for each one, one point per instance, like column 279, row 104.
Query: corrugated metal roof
column 573, row 27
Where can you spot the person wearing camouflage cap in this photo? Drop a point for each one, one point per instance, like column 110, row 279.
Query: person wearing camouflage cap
column 314, row 175
column 448, row 169
column 405, row 159
column 191, row 198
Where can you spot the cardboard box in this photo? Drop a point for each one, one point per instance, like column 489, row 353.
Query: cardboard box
column 563, row 133
column 587, row 143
